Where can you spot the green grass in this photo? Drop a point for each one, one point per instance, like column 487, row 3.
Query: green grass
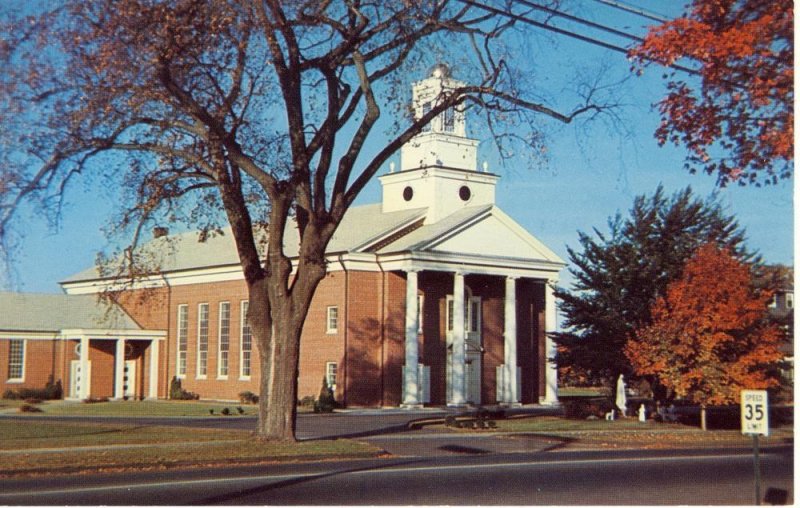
column 145, row 408
column 45, row 447
column 630, row 433
column 582, row 392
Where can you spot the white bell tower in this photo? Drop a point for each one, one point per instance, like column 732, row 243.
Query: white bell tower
column 439, row 166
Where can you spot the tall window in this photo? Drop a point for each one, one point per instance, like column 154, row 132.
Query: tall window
column 247, row 344
column 202, row 340
column 449, row 120
column 183, row 339
column 330, row 374
column 426, row 108
column 790, row 300
column 332, row 319
column 224, row 338
column 16, row 359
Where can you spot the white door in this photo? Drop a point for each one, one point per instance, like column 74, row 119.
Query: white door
column 129, row 379
column 76, row 378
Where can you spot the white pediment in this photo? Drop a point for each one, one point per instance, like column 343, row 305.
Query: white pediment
column 494, row 234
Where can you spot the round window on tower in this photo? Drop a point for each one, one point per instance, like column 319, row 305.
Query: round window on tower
column 408, row 193
column 464, row 193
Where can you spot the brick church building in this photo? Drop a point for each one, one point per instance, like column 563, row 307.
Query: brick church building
column 434, row 296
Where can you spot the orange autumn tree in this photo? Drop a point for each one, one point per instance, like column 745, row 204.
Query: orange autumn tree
column 736, row 119
column 709, row 338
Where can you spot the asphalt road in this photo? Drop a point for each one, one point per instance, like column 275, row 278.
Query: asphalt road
column 562, row 478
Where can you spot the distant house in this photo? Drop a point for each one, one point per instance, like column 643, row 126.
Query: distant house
column 782, row 310
column 433, row 296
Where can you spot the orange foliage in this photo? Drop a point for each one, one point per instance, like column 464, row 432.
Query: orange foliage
column 709, row 338
column 744, row 101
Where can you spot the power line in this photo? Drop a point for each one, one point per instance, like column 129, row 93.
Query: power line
column 566, row 33
column 582, row 21
column 635, row 10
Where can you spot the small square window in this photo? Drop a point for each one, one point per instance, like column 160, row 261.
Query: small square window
column 332, row 320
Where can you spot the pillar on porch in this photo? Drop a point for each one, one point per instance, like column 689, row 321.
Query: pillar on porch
column 153, row 369
column 551, row 369
column 86, row 378
column 119, row 370
column 459, row 350
column 411, row 368
column 510, row 389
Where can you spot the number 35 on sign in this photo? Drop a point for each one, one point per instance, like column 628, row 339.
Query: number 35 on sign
column 755, row 412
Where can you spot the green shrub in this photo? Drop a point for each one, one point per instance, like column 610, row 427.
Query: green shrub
column 307, row 401
column 176, row 391
column 27, row 408
column 225, row 411
column 51, row 391
column 326, row 402
column 248, row 397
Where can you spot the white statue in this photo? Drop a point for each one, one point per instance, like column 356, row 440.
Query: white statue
column 642, row 413
column 622, row 399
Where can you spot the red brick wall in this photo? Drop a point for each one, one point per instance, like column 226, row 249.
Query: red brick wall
column 364, row 369
column 317, row 347
column 43, row 358
column 101, row 354
column 394, row 337
column 211, row 387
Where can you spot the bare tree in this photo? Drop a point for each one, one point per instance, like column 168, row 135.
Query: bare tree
column 252, row 113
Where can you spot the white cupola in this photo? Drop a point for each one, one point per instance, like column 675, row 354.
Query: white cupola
column 439, row 166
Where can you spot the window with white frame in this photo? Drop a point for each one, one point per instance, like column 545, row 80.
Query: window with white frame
column 426, row 108
column 773, row 303
column 183, row 339
column 332, row 319
column 449, row 120
column 16, row 360
column 202, row 340
column 790, row 300
column 246, row 347
column 420, row 307
column 224, row 339
column 330, row 374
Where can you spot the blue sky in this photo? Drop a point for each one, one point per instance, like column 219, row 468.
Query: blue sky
column 591, row 173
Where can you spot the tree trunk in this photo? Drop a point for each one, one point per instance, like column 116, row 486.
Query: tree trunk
column 703, row 425
column 277, row 325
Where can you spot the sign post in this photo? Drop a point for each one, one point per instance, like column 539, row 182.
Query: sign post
column 755, row 422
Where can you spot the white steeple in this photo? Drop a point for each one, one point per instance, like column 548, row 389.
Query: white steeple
column 439, row 166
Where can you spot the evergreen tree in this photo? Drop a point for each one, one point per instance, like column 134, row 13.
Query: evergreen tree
column 620, row 274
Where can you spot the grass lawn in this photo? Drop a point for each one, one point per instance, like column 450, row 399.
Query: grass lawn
column 42, row 447
column 145, row 408
column 630, row 432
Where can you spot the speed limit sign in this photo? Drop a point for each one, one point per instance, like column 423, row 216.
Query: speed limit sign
column 755, row 413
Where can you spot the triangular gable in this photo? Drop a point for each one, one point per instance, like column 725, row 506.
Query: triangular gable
column 493, row 234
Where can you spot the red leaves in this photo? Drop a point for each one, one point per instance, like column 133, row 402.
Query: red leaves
column 708, row 339
column 742, row 109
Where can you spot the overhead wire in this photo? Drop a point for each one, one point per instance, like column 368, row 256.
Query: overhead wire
column 634, row 10
column 565, row 32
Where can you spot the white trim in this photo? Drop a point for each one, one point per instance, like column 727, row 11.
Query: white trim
column 207, row 307
column 8, row 335
column 328, row 311
column 21, row 379
column 112, row 334
column 178, row 326
column 219, row 343
column 243, row 307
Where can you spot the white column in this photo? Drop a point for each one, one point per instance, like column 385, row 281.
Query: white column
column 86, row 376
column 119, row 370
column 411, row 369
column 510, row 388
column 154, row 369
column 551, row 369
column 459, row 356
